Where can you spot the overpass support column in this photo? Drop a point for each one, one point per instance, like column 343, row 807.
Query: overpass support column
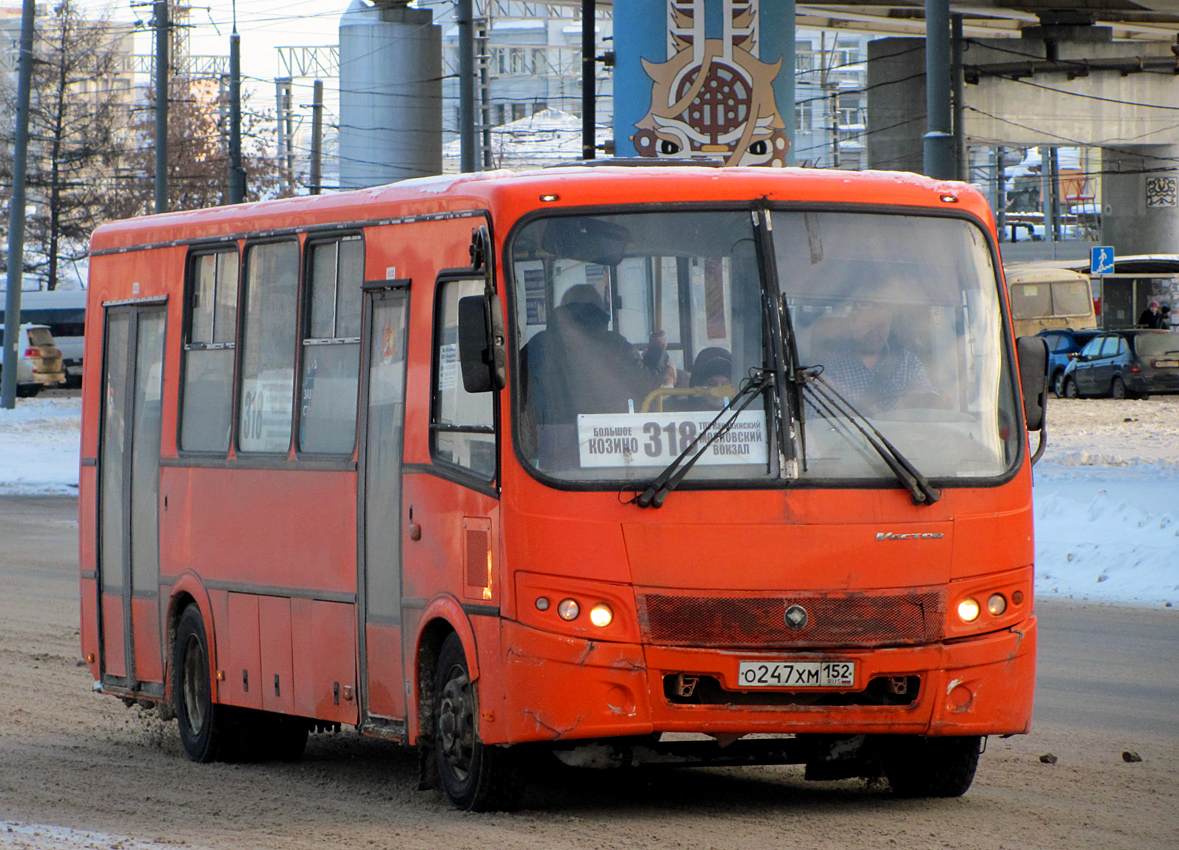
column 1140, row 198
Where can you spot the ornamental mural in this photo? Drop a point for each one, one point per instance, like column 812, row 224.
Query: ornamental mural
column 713, row 97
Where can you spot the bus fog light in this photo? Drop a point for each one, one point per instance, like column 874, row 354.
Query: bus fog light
column 997, row 604
column 568, row 609
column 601, row 615
column 968, row 610
column 542, row 603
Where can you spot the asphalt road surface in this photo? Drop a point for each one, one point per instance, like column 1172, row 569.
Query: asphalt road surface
column 77, row 769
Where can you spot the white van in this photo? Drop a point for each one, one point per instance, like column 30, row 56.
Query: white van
column 38, row 360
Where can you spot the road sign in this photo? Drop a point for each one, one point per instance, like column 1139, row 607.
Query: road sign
column 1101, row 260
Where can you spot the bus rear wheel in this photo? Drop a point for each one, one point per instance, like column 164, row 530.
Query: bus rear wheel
column 209, row 732
column 475, row 777
column 931, row 767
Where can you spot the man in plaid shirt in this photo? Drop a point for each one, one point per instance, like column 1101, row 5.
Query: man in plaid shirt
column 873, row 371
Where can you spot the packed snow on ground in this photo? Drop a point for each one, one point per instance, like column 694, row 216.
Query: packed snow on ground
column 1106, row 491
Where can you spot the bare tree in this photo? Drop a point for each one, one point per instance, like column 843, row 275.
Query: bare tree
column 76, row 112
column 198, row 153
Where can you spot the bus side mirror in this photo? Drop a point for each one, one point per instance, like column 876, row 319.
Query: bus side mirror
column 482, row 355
column 1032, row 353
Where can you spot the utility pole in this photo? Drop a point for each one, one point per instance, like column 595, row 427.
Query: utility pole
column 237, row 173
column 16, row 208
column 939, row 137
column 317, row 139
column 160, row 8
column 831, row 90
column 959, row 91
column 485, row 91
column 466, row 87
column 589, row 117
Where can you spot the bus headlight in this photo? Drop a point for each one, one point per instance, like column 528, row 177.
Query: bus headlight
column 968, row 610
column 568, row 609
column 601, row 615
column 997, row 604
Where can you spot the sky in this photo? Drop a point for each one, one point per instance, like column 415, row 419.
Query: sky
column 263, row 26
column 1106, row 499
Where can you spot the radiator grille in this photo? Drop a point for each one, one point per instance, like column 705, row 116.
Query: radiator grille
column 859, row 620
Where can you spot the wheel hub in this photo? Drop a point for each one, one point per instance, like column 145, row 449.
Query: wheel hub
column 456, row 723
column 194, row 685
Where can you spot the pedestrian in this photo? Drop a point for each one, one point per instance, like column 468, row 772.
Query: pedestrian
column 1150, row 316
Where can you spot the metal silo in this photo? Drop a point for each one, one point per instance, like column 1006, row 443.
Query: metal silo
column 390, row 93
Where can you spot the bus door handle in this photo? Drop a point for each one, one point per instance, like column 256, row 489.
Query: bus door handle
column 415, row 529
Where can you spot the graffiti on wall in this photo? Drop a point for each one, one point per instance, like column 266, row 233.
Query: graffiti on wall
column 713, row 97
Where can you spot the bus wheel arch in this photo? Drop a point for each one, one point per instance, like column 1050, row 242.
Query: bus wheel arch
column 443, row 616
column 188, row 590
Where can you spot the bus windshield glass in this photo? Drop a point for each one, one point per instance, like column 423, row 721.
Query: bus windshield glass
column 900, row 316
column 635, row 329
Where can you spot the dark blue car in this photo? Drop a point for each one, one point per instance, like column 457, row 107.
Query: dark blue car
column 1063, row 344
column 1125, row 364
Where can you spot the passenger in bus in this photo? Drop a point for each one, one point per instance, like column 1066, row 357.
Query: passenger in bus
column 870, row 366
column 578, row 365
column 711, row 370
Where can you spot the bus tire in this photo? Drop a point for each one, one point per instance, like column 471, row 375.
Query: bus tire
column 931, row 767
column 475, row 777
column 208, row 731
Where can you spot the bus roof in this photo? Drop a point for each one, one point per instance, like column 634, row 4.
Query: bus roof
column 517, row 192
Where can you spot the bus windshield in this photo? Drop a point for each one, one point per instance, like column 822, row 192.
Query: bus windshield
column 901, row 314
column 635, row 329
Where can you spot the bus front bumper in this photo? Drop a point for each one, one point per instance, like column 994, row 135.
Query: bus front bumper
column 558, row 688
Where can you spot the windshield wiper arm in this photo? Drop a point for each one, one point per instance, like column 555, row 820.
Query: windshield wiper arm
column 674, row 473
column 828, row 400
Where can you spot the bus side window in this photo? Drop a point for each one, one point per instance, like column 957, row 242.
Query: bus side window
column 269, row 331
column 462, row 424
column 331, row 347
column 210, row 331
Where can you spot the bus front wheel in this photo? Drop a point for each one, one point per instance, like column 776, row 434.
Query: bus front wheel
column 474, row 776
column 207, row 730
column 931, row 767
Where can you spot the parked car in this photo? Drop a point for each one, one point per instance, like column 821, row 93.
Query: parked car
column 38, row 360
column 1125, row 364
column 1063, row 343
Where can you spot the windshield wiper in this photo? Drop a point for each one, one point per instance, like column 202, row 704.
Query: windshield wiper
column 670, row 478
column 828, row 401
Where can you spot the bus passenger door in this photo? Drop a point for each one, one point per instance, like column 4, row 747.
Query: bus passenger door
column 128, row 510
column 382, row 675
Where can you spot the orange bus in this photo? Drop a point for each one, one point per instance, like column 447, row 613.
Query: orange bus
column 606, row 464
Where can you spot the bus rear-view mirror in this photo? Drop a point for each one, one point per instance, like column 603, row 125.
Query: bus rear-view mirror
column 481, row 344
column 1032, row 353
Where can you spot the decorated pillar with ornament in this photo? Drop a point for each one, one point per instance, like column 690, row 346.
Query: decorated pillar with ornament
column 704, row 79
